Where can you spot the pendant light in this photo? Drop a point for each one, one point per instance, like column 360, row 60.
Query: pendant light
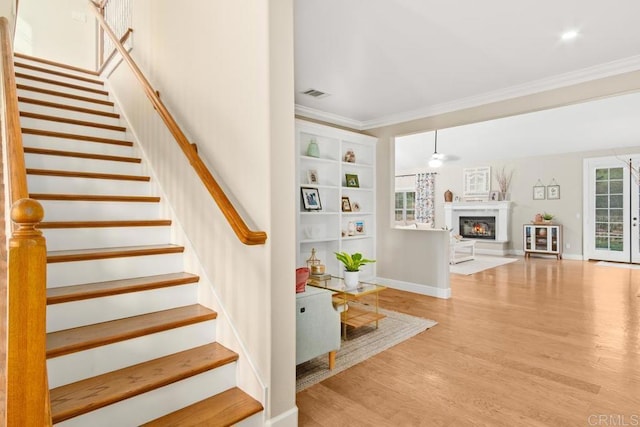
column 436, row 159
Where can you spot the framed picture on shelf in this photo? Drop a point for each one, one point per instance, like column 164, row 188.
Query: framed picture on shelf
column 312, row 177
column 538, row 192
column 352, row 180
column 553, row 192
column 311, row 199
column 360, row 227
column 346, row 204
column 494, row 196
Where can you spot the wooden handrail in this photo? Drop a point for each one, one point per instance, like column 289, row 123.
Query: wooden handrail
column 246, row 236
column 11, row 119
column 27, row 392
column 113, row 53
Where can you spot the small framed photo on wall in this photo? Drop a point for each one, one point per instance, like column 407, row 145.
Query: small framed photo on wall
column 539, row 192
column 553, row 192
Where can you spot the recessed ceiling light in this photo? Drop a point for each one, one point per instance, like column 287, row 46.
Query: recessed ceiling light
column 569, row 35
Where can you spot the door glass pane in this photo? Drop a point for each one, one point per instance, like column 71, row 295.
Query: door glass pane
column 609, row 228
column 399, row 201
column 399, row 215
column 411, row 200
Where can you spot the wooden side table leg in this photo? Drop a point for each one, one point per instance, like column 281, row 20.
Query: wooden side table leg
column 332, row 360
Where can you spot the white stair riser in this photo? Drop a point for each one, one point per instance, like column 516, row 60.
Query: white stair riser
column 77, row 164
column 96, row 361
column 60, row 210
column 53, row 126
column 256, row 420
column 154, row 404
column 59, row 88
column 54, row 68
column 54, row 143
column 79, row 272
column 54, row 184
column 58, row 78
column 96, row 310
column 111, row 237
column 64, row 100
column 70, row 114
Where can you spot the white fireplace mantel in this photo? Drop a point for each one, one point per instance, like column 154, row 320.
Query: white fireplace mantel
column 501, row 210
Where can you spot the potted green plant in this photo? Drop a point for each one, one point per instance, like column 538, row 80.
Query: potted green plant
column 352, row 264
column 547, row 217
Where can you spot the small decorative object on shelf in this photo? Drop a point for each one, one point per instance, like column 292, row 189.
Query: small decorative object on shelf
column 355, row 207
column 313, row 150
column 314, row 264
column 351, row 228
column 448, row 196
column 504, row 181
column 547, row 217
column 537, row 219
column 360, row 227
column 350, row 156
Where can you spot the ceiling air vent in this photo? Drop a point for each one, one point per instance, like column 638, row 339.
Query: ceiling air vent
column 315, row 93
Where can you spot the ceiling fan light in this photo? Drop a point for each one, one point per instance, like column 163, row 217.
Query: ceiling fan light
column 435, row 162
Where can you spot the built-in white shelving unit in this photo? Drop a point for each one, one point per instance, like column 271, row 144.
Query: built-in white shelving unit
column 327, row 229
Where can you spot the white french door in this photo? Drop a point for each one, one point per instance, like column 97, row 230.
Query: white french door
column 612, row 209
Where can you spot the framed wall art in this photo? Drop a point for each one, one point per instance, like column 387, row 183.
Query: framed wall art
column 476, row 181
column 352, row 180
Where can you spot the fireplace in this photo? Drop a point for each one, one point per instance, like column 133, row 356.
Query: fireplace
column 478, row 227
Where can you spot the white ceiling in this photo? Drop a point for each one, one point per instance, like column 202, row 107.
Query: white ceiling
column 387, row 61
column 611, row 123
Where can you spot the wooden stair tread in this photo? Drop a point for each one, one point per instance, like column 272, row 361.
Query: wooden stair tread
column 78, row 137
column 94, row 198
column 106, row 253
column 105, row 224
column 42, row 103
column 116, row 287
column 63, row 94
column 224, row 409
column 55, row 64
column 48, row 152
column 87, row 395
column 39, row 116
column 91, row 175
column 59, row 83
column 57, row 73
column 85, row 337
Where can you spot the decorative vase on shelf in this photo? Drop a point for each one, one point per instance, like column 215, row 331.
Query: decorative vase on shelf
column 448, row 196
column 351, row 279
column 312, row 149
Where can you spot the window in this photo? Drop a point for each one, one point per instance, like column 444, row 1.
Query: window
column 405, row 206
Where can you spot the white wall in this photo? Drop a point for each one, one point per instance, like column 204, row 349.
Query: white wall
column 225, row 70
column 59, row 30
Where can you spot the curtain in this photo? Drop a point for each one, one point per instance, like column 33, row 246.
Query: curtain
column 425, row 198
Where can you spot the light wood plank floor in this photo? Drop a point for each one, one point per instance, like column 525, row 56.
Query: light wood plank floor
column 537, row 342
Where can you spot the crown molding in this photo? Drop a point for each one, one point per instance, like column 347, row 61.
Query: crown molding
column 323, row 116
column 608, row 69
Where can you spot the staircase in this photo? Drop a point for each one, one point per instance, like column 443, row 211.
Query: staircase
column 127, row 342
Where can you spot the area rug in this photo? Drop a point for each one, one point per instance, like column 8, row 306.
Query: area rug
column 618, row 265
column 363, row 343
column 478, row 264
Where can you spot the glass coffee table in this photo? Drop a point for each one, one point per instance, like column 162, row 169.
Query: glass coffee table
column 353, row 315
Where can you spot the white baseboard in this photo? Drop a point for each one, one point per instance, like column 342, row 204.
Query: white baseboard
column 286, row 419
column 417, row 288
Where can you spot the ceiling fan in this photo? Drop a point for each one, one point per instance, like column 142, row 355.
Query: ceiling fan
column 437, row 159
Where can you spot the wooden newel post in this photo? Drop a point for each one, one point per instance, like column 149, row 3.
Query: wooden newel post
column 27, row 385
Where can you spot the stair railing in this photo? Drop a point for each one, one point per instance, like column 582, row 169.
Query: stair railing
column 242, row 231
column 27, row 391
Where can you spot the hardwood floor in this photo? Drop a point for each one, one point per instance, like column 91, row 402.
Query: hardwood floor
column 537, row 342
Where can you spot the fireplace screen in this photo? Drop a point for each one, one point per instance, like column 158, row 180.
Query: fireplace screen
column 478, row 227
